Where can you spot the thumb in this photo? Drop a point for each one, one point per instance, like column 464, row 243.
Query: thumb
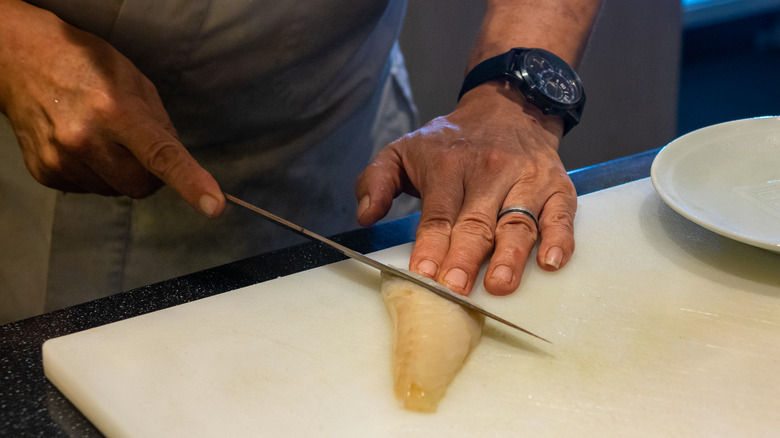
column 377, row 186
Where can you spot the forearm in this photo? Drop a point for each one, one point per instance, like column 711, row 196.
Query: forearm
column 559, row 26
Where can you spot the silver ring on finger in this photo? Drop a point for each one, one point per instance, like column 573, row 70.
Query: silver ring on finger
column 518, row 209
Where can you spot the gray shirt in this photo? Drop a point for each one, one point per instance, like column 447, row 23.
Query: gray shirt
column 284, row 102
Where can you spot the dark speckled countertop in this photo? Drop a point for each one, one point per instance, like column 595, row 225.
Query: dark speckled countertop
column 31, row 406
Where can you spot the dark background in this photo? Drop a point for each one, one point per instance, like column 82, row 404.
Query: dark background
column 730, row 70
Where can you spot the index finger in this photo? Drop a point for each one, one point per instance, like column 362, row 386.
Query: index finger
column 160, row 152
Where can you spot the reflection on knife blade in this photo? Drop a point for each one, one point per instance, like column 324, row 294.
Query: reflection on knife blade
column 427, row 283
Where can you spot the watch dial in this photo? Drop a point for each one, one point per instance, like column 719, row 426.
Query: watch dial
column 552, row 77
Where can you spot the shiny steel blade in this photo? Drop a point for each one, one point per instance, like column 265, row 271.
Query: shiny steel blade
column 427, row 283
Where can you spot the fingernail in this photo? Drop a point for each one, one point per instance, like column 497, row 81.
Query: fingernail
column 456, row 277
column 365, row 201
column 208, row 205
column 554, row 257
column 503, row 274
column 427, row 268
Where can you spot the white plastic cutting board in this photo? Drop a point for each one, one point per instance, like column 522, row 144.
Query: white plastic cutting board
column 659, row 328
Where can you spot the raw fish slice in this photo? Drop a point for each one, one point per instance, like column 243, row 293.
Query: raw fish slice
column 432, row 340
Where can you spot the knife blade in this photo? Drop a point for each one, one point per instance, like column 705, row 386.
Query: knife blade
column 425, row 282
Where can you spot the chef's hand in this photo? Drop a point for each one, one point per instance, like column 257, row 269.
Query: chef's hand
column 493, row 151
column 86, row 119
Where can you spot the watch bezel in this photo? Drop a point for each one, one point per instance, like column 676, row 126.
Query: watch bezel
column 529, row 86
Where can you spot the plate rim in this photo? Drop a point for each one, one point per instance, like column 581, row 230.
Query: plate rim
column 656, row 172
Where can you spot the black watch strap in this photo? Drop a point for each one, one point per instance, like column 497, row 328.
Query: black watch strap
column 505, row 66
column 489, row 69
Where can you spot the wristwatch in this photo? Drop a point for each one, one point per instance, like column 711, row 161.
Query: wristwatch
column 544, row 79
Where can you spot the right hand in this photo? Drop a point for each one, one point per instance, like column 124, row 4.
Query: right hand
column 86, row 119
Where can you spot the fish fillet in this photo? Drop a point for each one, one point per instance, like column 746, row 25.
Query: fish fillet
column 432, row 340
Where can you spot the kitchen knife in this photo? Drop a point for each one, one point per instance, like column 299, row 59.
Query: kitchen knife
column 425, row 282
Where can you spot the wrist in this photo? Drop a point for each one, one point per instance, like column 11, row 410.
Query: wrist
column 500, row 94
column 542, row 78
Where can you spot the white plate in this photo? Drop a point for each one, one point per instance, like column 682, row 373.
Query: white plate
column 726, row 178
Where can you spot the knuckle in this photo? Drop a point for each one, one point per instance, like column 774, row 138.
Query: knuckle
column 565, row 217
column 49, row 162
column 532, row 172
column 162, row 157
column 566, row 187
column 494, row 161
column 104, row 104
column 517, row 222
column 75, row 138
column 562, row 219
column 477, row 225
column 434, row 226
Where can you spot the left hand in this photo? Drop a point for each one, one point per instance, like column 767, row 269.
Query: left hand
column 493, row 151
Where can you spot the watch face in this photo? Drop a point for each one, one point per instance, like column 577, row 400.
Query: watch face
column 551, row 76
